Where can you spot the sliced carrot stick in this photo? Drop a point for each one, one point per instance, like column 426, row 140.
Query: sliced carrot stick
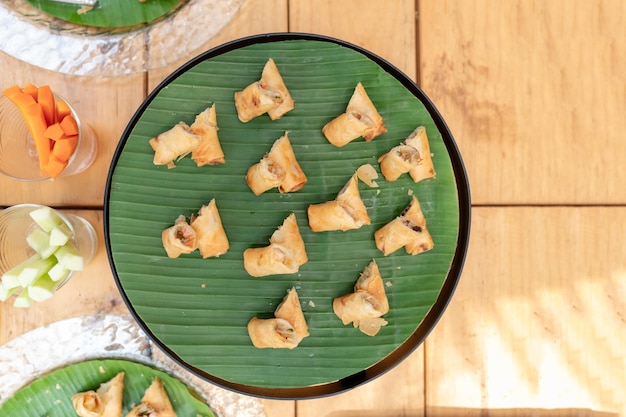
column 69, row 126
column 54, row 132
column 31, row 90
column 36, row 122
column 12, row 91
column 22, row 100
column 64, row 148
column 62, row 110
column 46, row 99
column 54, row 167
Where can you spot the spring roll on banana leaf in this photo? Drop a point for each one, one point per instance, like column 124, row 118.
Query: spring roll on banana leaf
column 418, row 139
column 361, row 119
column 209, row 150
column 399, row 160
column 268, row 95
column 210, row 234
column 155, row 402
column 408, row 230
column 106, row 401
column 278, row 168
column 285, row 254
column 365, row 306
column 285, row 330
column 346, row 212
column 173, row 144
column 179, row 239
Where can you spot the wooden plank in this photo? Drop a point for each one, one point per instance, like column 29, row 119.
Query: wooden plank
column 400, row 391
column 537, row 320
column 390, row 34
column 534, row 93
column 105, row 104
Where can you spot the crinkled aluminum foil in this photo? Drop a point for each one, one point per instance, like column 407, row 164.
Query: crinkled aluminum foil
column 65, row 342
column 37, row 38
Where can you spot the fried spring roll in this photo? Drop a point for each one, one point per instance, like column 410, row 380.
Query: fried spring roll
column 361, row 119
column 209, row 150
column 173, row 144
column 408, row 230
column 105, row 402
column 272, row 333
column 346, row 212
column 425, row 169
column 155, row 402
column 179, row 239
column 210, row 233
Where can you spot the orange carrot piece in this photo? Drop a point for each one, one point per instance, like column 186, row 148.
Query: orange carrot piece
column 31, row 90
column 22, row 100
column 69, row 125
column 54, row 132
column 63, row 149
column 45, row 97
column 12, row 91
column 54, row 167
column 62, row 110
column 36, row 122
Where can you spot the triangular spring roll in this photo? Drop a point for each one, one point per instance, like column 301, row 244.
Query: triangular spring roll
column 173, row 144
column 155, row 402
column 418, row 139
column 361, row 119
column 210, row 233
column 278, row 168
column 268, row 95
column 179, row 239
column 346, row 212
column 284, row 255
column 365, row 306
column 408, row 230
column 209, row 150
column 106, row 401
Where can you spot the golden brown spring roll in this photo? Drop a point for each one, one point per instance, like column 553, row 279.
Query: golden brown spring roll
column 155, row 402
column 361, row 119
column 272, row 333
column 268, row 95
column 284, row 255
column 346, row 212
column 105, row 402
column 365, row 306
column 426, row 169
column 408, row 230
column 209, row 150
column 278, row 168
column 291, row 310
column 399, row 160
column 179, row 239
column 210, row 233
column 173, row 144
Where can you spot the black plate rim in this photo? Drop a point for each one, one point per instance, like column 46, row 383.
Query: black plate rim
column 450, row 282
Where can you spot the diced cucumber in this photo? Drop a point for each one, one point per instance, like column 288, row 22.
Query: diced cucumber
column 11, row 277
column 34, row 270
column 68, row 256
column 58, row 272
column 46, row 218
column 60, row 234
column 6, row 291
column 22, row 300
column 39, row 241
column 42, row 289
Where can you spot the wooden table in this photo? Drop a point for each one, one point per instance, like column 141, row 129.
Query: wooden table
column 535, row 95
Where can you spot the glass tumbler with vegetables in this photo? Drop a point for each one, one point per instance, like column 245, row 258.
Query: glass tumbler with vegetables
column 40, row 249
column 41, row 135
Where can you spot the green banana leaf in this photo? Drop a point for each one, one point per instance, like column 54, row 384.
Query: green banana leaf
column 109, row 13
column 198, row 309
column 51, row 395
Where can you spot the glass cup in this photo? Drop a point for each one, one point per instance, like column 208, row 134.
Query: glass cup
column 30, row 249
column 18, row 155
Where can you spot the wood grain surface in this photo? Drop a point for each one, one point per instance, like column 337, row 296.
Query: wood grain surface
column 534, row 92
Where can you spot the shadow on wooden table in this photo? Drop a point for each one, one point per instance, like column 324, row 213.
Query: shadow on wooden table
column 475, row 412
